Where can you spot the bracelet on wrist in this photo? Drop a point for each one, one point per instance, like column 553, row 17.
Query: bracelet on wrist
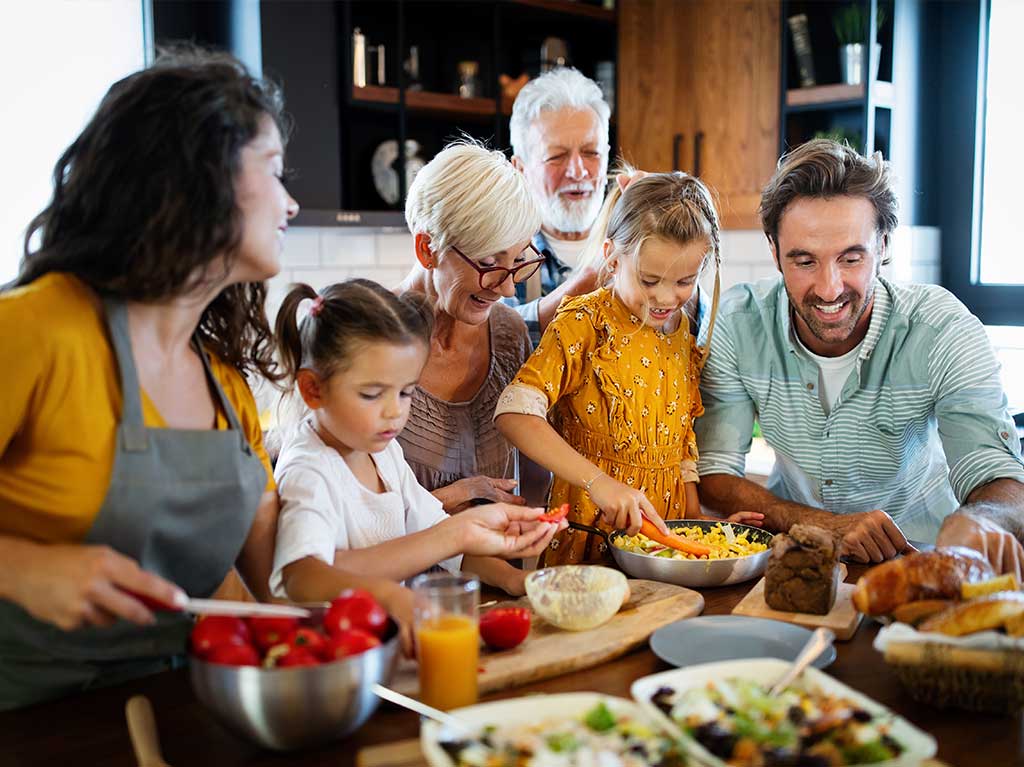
column 591, row 481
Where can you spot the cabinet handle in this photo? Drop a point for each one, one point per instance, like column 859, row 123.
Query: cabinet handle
column 698, row 143
column 677, row 141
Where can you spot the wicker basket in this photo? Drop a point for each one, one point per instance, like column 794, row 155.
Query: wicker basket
column 957, row 677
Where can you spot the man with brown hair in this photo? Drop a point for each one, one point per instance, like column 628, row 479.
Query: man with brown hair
column 882, row 402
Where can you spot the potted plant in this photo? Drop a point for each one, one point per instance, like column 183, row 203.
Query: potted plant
column 851, row 25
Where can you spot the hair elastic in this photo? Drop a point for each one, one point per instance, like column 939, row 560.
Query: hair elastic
column 318, row 304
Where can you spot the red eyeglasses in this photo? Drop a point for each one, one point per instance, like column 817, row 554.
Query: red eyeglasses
column 492, row 277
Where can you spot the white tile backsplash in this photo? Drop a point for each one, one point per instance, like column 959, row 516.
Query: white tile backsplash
column 341, row 251
column 302, row 247
column 395, row 249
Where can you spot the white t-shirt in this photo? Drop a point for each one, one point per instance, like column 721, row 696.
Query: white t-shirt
column 567, row 251
column 833, row 373
column 325, row 508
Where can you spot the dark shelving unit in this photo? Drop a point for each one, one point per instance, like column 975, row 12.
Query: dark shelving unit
column 334, row 180
column 832, row 107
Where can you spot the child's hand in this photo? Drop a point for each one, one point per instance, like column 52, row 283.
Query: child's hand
column 502, row 530
column 752, row 518
column 622, row 506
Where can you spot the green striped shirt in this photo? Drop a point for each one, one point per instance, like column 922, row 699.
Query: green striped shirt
column 921, row 422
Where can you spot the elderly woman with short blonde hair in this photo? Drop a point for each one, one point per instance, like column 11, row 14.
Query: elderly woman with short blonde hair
column 472, row 217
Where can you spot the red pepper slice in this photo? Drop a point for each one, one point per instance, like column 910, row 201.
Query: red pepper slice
column 555, row 516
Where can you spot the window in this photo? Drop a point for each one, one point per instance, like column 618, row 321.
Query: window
column 1002, row 194
column 59, row 56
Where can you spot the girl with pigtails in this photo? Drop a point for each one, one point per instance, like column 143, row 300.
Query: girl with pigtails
column 608, row 398
column 350, row 504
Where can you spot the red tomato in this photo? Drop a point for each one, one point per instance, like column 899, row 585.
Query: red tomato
column 352, row 642
column 505, row 627
column 234, row 655
column 356, row 609
column 286, row 656
column 267, row 632
column 308, row 639
column 216, row 630
column 555, row 516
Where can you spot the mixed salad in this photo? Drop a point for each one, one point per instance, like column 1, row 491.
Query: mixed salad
column 722, row 542
column 598, row 738
column 737, row 721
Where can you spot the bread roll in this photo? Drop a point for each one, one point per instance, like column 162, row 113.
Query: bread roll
column 915, row 612
column 981, row 614
column 934, row 574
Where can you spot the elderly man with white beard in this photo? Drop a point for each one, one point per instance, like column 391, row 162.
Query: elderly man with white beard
column 559, row 131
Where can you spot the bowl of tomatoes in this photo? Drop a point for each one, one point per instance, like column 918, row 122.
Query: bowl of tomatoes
column 288, row 683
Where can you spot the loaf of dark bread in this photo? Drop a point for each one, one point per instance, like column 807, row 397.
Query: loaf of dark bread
column 803, row 571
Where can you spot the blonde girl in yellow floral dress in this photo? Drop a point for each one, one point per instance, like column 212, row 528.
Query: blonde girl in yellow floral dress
column 607, row 400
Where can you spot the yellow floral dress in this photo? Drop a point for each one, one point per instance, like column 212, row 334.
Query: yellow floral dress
column 622, row 394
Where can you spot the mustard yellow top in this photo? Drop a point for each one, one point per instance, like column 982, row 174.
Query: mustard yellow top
column 623, row 395
column 61, row 405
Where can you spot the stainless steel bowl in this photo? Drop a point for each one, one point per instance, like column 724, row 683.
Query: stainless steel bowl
column 694, row 573
column 289, row 708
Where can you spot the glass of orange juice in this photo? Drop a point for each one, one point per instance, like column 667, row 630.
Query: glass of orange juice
column 447, row 638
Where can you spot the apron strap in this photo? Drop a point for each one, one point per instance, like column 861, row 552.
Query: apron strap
column 132, row 426
column 225, row 403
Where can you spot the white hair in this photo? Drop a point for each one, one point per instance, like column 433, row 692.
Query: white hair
column 473, row 198
column 557, row 89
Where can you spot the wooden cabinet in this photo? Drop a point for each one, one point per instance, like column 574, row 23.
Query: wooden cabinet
column 699, row 92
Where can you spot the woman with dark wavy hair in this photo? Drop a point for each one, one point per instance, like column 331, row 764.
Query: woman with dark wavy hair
column 131, row 458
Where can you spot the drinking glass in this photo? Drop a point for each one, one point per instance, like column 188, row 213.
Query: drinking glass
column 447, row 638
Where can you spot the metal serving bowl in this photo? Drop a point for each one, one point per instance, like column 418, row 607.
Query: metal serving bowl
column 690, row 572
column 291, row 708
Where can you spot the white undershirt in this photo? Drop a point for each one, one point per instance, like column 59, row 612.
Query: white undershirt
column 833, row 373
column 567, row 251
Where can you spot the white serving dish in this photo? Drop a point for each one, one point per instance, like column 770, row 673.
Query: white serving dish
column 918, row 745
column 524, row 710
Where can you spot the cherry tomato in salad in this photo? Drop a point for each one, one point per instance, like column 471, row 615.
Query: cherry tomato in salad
column 234, row 655
column 356, row 609
column 555, row 516
column 308, row 639
column 215, row 631
column 267, row 632
column 285, row 656
column 505, row 627
column 344, row 644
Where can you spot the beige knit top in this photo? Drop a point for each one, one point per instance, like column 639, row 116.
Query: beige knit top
column 447, row 441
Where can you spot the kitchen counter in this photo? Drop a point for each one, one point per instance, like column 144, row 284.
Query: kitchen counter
column 90, row 729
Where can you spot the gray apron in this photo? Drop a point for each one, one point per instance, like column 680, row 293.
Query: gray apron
column 180, row 502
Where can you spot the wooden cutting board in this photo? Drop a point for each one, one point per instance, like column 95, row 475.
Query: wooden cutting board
column 843, row 618
column 549, row 651
column 407, row 753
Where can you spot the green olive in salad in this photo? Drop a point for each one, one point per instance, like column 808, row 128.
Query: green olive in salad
column 737, row 721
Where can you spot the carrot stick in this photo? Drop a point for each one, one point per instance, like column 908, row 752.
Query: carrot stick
column 673, row 541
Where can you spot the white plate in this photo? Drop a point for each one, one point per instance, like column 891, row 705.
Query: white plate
column 918, row 745
column 525, row 710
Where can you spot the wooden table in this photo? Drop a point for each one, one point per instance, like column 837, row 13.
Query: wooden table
column 90, row 729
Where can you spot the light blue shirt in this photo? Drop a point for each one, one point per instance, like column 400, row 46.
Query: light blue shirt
column 919, row 424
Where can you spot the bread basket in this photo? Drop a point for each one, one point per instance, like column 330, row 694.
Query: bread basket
column 951, row 676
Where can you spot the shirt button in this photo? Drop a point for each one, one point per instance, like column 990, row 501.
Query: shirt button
column 1004, row 434
column 810, row 387
column 828, row 482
